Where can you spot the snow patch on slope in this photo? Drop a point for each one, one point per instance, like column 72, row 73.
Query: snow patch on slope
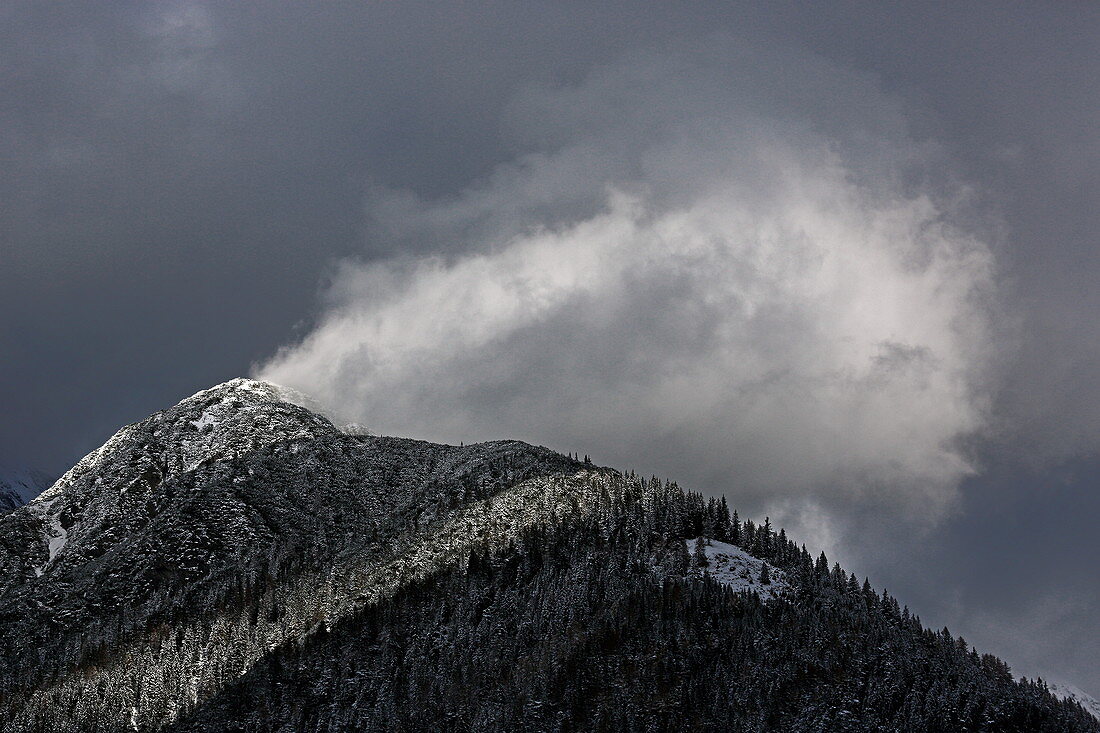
column 1071, row 692
column 207, row 418
column 55, row 534
column 731, row 566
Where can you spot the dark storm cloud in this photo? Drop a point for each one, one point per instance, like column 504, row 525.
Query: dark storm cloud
column 178, row 178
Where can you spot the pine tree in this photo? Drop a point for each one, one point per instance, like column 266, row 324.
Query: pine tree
column 765, row 576
column 700, row 554
column 724, row 520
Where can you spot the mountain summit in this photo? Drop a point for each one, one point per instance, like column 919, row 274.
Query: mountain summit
column 237, row 562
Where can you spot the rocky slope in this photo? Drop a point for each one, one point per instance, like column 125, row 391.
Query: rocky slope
column 237, row 562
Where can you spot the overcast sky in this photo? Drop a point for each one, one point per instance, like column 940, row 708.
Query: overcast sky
column 838, row 264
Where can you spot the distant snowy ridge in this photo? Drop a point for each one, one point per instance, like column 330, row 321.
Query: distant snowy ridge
column 1070, row 692
column 20, row 486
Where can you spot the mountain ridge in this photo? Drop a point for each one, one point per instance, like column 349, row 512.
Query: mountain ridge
column 201, row 555
column 1076, row 694
column 119, row 490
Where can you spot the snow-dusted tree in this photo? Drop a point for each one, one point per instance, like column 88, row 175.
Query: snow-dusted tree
column 700, row 554
column 765, row 574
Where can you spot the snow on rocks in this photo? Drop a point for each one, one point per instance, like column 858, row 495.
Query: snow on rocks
column 207, row 418
column 55, row 534
column 238, row 415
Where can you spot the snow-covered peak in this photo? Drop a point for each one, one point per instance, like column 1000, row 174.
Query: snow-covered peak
column 257, row 390
column 118, row 482
column 224, row 420
column 1071, row 692
column 242, row 387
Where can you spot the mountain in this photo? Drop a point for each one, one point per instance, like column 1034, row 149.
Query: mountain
column 238, row 563
column 1076, row 694
column 18, row 486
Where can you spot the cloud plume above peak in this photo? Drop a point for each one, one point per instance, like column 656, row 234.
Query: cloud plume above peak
column 724, row 264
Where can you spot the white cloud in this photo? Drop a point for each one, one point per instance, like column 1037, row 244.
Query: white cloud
column 712, row 263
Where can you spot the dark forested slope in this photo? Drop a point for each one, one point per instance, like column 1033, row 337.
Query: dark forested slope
column 238, row 563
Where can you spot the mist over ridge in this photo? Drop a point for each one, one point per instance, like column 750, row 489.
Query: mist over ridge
column 715, row 262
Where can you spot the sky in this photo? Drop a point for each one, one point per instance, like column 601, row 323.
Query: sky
column 837, row 263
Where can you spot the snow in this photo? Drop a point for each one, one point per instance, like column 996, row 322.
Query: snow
column 1071, row 692
column 207, row 418
column 24, row 485
column 56, row 535
column 59, row 536
column 732, row 566
column 225, row 420
column 268, row 390
column 254, row 386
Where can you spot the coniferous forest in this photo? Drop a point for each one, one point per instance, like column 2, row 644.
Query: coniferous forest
column 237, row 563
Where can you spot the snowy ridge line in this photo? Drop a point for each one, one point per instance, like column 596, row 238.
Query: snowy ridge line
column 271, row 391
column 84, row 465
column 1076, row 694
column 168, row 688
column 492, row 522
column 264, row 389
